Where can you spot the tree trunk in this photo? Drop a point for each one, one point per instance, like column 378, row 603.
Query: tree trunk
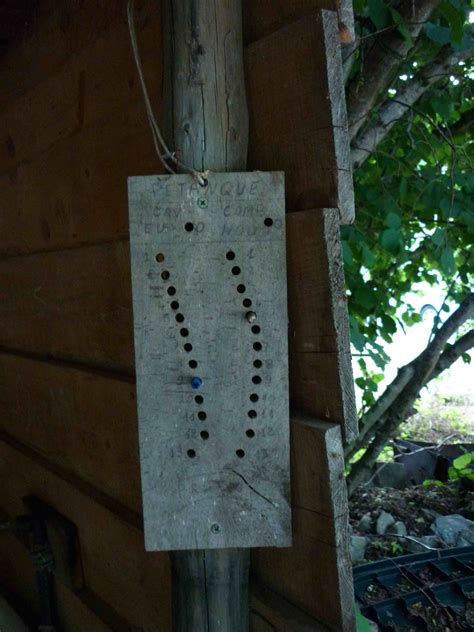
column 206, row 124
column 393, row 407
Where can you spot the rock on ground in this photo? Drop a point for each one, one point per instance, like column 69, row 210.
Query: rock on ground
column 358, row 546
column 384, row 521
column 454, row 530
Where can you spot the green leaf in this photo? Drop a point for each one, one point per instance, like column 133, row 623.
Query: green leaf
column 438, row 34
column 397, row 18
column 347, row 254
column 439, row 237
column 357, row 338
column 466, row 358
column 390, row 239
column 393, row 220
column 462, row 461
column 455, row 20
column 389, row 324
column 448, row 264
column 378, row 13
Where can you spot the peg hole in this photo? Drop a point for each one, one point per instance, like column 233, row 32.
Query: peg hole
column 191, row 454
column 240, row 454
column 165, row 275
column 254, row 397
column 174, row 305
column 189, row 227
column 230, row 256
column 252, row 414
column 257, row 346
column 199, row 399
column 184, row 332
column 202, row 415
column 188, row 347
column 247, row 302
column 192, row 364
column 171, row 290
column 255, row 329
column 179, row 318
column 204, row 435
column 236, row 270
column 241, row 288
column 257, row 364
column 256, row 379
column 268, row 222
column 250, row 433
column 160, row 257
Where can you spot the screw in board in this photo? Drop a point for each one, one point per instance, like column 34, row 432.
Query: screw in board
column 215, row 528
column 202, row 203
column 251, row 317
column 196, row 383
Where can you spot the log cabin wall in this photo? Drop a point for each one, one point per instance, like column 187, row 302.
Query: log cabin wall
column 73, row 129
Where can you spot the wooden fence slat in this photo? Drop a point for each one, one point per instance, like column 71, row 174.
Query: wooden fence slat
column 292, row 126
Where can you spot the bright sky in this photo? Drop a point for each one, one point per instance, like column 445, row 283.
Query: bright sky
column 459, row 379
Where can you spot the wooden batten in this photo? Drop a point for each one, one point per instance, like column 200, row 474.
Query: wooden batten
column 320, row 357
column 294, row 127
column 315, row 573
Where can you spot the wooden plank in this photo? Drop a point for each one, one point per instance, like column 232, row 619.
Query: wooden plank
column 70, row 304
column 272, row 612
column 97, row 87
column 116, row 567
column 78, row 610
column 267, row 16
column 316, row 573
column 84, row 422
column 58, row 31
column 199, row 254
column 294, row 128
column 320, row 357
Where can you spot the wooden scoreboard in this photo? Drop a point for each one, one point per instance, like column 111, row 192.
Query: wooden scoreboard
column 211, row 329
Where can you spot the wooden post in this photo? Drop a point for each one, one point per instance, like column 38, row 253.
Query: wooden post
column 206, row 122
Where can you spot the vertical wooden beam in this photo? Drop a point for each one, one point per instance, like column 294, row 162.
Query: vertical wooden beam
column 206, row 123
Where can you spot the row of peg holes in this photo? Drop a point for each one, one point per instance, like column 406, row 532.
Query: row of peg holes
column 188, row 347
column 257, row 346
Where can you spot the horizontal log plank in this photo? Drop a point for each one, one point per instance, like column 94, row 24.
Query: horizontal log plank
column 96, row 88
column 115, row 564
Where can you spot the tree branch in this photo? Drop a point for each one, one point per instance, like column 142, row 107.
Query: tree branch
column 381, row 61
column 392, row 110
column 424, row 368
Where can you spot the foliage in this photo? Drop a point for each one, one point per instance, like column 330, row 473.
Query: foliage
column 414, row 220
column 460, row 467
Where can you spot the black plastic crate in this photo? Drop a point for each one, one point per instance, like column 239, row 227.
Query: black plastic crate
column 402, row 593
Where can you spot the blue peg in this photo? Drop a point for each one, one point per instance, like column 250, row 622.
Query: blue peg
column 196, row 383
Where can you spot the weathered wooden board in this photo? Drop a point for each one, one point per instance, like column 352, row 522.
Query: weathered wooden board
column 209, row 286
column 298, row 120
column 320, row 356
column 316, row 573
